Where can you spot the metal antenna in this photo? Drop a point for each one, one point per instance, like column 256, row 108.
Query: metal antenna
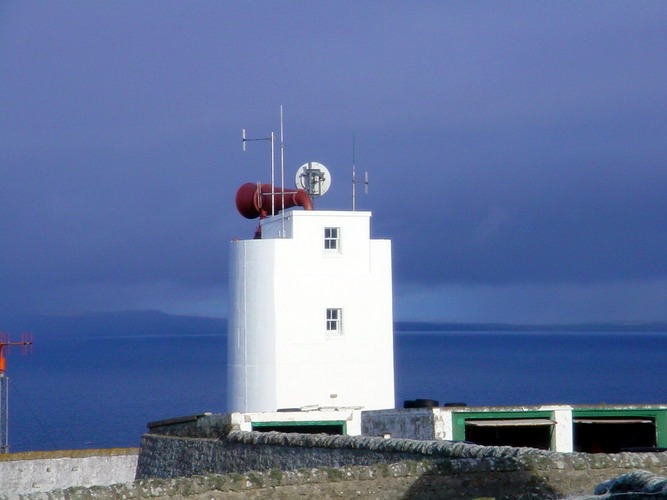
column 271, row 138
column 5, row 344
column 354, row 176
column 282, row 174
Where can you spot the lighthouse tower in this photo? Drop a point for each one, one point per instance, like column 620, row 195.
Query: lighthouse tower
column 311, row 308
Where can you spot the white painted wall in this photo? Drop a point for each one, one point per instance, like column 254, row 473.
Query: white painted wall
column 280, row 355
column 23, row 473
column 352, row 418
column 562, row 438
column 438, row 423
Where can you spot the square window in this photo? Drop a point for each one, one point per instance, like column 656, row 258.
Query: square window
column 331, row 238
column 334, row 321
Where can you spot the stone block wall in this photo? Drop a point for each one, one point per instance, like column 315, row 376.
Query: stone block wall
column 388, row 481
column 500, row 472
column 416, row 480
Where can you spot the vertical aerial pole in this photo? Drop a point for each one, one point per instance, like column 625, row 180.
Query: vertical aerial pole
column 4, row 413
column 5, row 344
column 272, row 139
column 282, row 174
column 273, row 173
column 354, row 177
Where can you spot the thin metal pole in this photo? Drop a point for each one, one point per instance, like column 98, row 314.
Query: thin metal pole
column 271, row 138
column 282, row 174
column 273, row 173
column 4, row 414
column 354, row 177
column 7, row 414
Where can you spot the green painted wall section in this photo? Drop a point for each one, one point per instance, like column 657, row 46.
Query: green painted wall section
column 658, row 415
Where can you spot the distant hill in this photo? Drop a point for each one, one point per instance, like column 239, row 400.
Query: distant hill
column 113, row 324
column 411, row 326
column 159, row 323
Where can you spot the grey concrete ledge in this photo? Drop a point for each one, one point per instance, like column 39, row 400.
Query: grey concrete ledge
column 46, row 455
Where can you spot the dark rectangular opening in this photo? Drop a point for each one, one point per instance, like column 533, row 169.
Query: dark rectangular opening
column 532, row 433
column 613, row 435
column 331, row 428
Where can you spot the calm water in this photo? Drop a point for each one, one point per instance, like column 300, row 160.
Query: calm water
column 93, row 392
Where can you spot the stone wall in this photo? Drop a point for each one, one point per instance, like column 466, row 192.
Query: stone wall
column 457, row 470
column 402, row 480
column 388, row 481
column 22, row 473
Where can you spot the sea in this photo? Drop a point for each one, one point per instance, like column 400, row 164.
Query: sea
column 99, row 391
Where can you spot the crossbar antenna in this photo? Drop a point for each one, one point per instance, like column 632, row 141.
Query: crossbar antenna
column 5, row 345
column 354, row 177
column 272, row 139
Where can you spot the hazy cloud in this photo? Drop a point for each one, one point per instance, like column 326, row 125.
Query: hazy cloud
column 517, row 154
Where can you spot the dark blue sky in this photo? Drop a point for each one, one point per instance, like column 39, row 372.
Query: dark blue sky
column 517, row 151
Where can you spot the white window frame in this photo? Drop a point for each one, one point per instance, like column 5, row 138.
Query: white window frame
column 332, row 239
column 334, row 321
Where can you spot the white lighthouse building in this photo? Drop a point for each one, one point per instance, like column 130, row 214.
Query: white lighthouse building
column 311, row 320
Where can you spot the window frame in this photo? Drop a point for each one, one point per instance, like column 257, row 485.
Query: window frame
column 332, row 239
column 333, row 323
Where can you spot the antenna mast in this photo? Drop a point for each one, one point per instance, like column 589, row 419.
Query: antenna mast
column 272, row 138
column 282, row 174
column 354, row 177
column 5, row 344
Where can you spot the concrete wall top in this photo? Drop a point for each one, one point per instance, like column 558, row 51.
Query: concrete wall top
column 295, row 220
column 526, row 408
column 351, row 417
column 41, row 455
